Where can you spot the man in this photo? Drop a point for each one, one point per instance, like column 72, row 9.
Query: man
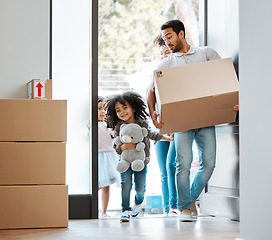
column 173, row 33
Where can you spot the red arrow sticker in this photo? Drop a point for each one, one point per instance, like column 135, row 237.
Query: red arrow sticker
column 39, row 86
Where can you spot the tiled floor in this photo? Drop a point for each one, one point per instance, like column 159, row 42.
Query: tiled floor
column 144, row 227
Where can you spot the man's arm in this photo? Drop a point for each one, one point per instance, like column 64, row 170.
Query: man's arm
column 151, row 97
column 151, row 100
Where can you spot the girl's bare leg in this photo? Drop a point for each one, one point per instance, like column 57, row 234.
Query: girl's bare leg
column 105, row 195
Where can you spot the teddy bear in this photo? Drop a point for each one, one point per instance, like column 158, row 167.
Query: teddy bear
column 131, row 133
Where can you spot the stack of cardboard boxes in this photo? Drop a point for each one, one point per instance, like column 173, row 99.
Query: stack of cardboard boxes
column 33, row 193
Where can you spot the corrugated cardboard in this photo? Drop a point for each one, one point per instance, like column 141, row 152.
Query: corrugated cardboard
column 39, row 89
column 33, row 120
column 196, row 95
column 33, row 206
column 23, row 163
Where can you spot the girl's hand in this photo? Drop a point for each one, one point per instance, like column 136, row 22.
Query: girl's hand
column 127, row 146
column 236, row 108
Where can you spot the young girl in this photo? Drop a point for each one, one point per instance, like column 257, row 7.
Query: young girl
column 107, row 159
column 129, row 107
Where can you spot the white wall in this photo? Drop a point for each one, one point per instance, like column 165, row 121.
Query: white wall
column 255, row 119
column 24, row 45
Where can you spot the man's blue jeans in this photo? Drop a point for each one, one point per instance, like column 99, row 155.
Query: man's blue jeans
column 206, row 142
column 126, row 186
column 166, row 155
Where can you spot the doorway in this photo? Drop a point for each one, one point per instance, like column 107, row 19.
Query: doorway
column 127, row 56
column 76, row 56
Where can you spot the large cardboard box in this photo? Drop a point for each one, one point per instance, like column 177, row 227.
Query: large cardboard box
column 33, row 120
column 196, row 95
column 39, row 89
column 23, row 163
column 33, row 206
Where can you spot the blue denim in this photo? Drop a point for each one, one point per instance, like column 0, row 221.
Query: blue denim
column 126, row 186
column 166, row 154
column 206, row 143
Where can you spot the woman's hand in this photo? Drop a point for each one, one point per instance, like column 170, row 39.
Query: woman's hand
column 127, row 146
column 171, row 137
column 168, row 138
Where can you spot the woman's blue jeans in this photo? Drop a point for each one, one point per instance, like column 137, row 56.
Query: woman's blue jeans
column 206, row 143
column 166, row 154
column 126, row 186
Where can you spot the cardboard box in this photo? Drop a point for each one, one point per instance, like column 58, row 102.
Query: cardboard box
column 39, row 89
column 33, row 120
column 196, row 95
column 33, row 206
column 23, row 163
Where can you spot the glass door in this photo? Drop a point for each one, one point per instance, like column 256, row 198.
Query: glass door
column 72, row 76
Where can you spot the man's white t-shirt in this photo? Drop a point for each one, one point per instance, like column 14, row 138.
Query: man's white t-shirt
column 194, row 55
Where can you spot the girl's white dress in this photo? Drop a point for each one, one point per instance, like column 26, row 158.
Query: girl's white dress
column 107, row 157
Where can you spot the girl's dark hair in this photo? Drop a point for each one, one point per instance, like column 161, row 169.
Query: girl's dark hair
column 176, row 25
column 101, row 99
column 135, row 101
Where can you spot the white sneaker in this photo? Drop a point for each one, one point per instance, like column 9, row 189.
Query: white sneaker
column 125, row 216
column 136, row 210
column 104, row 215
column 186, row 216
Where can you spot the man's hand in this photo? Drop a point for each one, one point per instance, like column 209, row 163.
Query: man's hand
column 236, row 108
column 154, row 118
column 127, row 146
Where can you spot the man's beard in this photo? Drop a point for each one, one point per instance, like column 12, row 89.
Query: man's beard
column 177, row 47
